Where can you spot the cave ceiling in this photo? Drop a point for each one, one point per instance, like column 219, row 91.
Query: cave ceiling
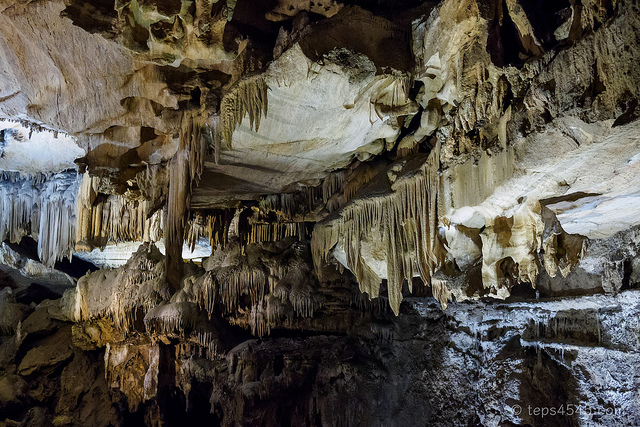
column 404, row 139
column 318, row 212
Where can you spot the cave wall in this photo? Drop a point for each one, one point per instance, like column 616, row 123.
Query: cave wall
column 319, row 213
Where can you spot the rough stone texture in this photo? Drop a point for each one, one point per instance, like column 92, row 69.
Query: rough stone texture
column 320, row 213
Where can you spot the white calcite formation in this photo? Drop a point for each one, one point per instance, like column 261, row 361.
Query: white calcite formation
column 318, row 213
column 138, row 285
column 34, row 149
column 490, row 193
column 42, row 206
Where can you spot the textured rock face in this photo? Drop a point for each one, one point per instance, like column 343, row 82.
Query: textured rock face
column 319, row 212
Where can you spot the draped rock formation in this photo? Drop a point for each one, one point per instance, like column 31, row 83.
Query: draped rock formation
column 319, row 213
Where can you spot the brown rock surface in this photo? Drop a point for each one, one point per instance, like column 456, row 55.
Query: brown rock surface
column 319, row 213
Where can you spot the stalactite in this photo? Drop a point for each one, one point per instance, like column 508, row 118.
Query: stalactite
column 249, row 97
column 119, row 294
column 404, row 220
column 185, row 170
column 440, row 291
column 42, row 206
column 113, row 218
column 216, row 138
column 332, row 184
column 174, row 319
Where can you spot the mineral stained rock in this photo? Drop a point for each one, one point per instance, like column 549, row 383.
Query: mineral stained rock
column 319, row 213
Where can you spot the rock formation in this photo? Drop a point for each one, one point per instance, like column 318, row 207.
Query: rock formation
column 232, row 212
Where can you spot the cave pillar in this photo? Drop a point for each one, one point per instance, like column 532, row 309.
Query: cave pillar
column 176, row 211
column 185, row 169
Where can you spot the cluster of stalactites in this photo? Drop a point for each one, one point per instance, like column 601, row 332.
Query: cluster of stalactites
column 121, row 294
column 175, row 319
column 274, row 231
column 271, row 311
column 153, row 183
column 340, row 187
column 42, row 206
column 249, row 97
column 260, row 289
column 287, row 206
column 214, row 226
column 226, row 287
column 404, row 221
column 296, row 288
column 331, row 185
column 276, row 217
column 180, row 319
column 114, row 218
column 193, row 131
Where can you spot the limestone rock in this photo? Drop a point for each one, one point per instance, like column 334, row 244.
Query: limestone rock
column 319, row 213
column 52, row 350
